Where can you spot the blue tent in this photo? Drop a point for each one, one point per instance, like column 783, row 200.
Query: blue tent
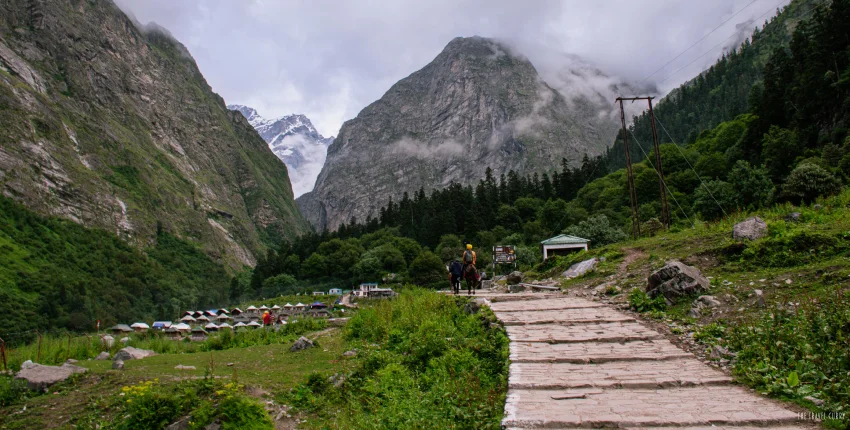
column 318, row 305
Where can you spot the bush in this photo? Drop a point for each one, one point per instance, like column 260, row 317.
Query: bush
column 755, row 189
column 428, row 271
column 12, row 390
column 641, row 302
column 598, row 230
column 793, row 249
column 809, row 181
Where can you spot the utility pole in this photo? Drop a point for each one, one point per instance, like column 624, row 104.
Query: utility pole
column 665, row 211
column 632, row 193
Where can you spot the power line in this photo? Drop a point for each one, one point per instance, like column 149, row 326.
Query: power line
column 721, row 43
column 698, row 41
column 691, row 166
column 662, row 180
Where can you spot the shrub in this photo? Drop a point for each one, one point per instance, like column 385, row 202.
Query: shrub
column 809, row 181
column 713, row 198
column 641, row 302
column 12, row 390
column 598, row 230
column 428, row 271
column 755, row 189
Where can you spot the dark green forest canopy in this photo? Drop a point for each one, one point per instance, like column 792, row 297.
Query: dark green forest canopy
column 56, row 274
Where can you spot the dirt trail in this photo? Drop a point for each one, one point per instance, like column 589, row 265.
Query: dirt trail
column 577, row 363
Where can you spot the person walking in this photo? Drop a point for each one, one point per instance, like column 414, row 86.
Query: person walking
column 455, row 273
column 267, row 319
column 470, row 273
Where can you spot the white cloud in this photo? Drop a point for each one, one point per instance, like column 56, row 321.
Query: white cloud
column 328, row 59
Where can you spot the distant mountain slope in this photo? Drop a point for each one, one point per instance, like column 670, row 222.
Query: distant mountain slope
column 295, row 141
column 112, row 126
column 477, row 105
column 720, row 93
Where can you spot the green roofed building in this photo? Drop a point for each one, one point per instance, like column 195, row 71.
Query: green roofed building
column 562, row 244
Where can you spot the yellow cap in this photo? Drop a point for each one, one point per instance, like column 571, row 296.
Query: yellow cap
column 468, row 246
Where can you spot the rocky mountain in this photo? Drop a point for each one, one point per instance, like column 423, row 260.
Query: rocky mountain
column 476, row 105
column 111, row 124
column 295, row 141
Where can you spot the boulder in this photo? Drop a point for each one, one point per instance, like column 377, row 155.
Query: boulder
column 39, row 376
column 102, row 356
column 125, row 340
column 516, row 288
column 708, row 301
column 118, row 364
column 750, row 229
column 107, row 340
column 718, row 352
column 581, row 268
column 130, row 353
column 301, row 343
column 350, row 353
column 471, row 308
column 514, row 278
column 182, row 367
column 759, row 298
column 694, row 313
column 181, row 424
column 676, row 280
column 794, row 217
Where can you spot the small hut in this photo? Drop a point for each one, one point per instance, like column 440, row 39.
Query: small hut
column 182, row 327
column 223, row 317
column 161, row 325
column 223, row 311
column 253, row 324
column 263, row 308
column 203, row 319
column 236, row 311
column 188, row 319
column 120, row 328
column 299, row 307
column 562, row 244
column 251, row 309
column 140, row 327
column 318, row 305
column 224, row 326
column 211, row 327
column 199, row 334
column 276, row 308
column 172, row 333
column 239, row 324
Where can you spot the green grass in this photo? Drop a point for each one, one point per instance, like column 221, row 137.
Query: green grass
column 425, row 361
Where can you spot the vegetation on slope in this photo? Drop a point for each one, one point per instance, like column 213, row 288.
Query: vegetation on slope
column 424, row 360
column 56, row 274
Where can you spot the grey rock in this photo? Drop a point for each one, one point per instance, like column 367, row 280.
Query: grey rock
column 581, row 268
column 213, row 426
column 817, row 207
column 301, row 344
column 514, row 278
column 337, row 379
column 108, row 341
column 130, row 353
column 182, row 367
column 471, row 308
column 815, row 400
column 794, row 217
column 118, row 364
column 350, row 353
column 694, row 313
column 70, row 361
column 39, row 376
column 759, row 298
column 125, row 340
column 102, row 356
column 516, row 288
column 709, row 301
column 478, row 100
column 751, row 229
column 181, row 424
column 676, row 280
column 718, row 352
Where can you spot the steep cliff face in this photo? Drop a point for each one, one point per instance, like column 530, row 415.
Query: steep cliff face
column 477, row 105
column 114, row 126
column 295, row 141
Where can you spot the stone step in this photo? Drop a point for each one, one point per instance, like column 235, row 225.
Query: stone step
column 564, row 316
column 775, row 427
column 542, row 305
column 614, row 374
column 589, row 332
column 594, row 352
column 725, row 405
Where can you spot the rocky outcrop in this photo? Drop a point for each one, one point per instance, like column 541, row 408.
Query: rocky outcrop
column 676, row 280
column 39, row 376
column 580, row 268
column 130, row 353
column 477, row 105
column 300, row 344
column 110, row 124
column 751, row 229
column 514, row 278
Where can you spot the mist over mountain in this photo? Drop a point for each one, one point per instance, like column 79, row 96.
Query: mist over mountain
column 294, row 140
column 478, row 104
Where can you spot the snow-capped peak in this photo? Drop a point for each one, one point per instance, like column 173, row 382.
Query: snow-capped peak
column 294, row 140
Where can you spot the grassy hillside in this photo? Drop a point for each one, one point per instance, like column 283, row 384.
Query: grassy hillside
column 56, row 274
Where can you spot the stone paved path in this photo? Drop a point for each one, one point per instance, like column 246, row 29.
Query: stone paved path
column 579, row 364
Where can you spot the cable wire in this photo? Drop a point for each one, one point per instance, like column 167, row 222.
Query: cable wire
column 698, row 41
column 663, row 182
column 690, row 165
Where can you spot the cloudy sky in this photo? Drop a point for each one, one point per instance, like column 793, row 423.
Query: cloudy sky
column 329, row 59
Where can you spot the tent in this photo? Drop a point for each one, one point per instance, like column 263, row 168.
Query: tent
column 223, row 317
column 223, row 311
column 288, row 306
column 140, row 326
column 299, row 305
column 236, row 311
column 275, row 308
column 159, row 325
column 211, row 326
column 203, row 318
column 120, row 328
column 188, row 319
column 318, row 305
column 182, row 327
column 264, row 308
column 252, row 308
column 239, row 324
column 253, row 324
column 224, row 326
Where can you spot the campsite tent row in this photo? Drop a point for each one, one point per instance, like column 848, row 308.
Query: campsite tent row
column 251, row 313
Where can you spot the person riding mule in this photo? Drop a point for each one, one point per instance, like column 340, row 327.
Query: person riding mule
column 470, row 273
